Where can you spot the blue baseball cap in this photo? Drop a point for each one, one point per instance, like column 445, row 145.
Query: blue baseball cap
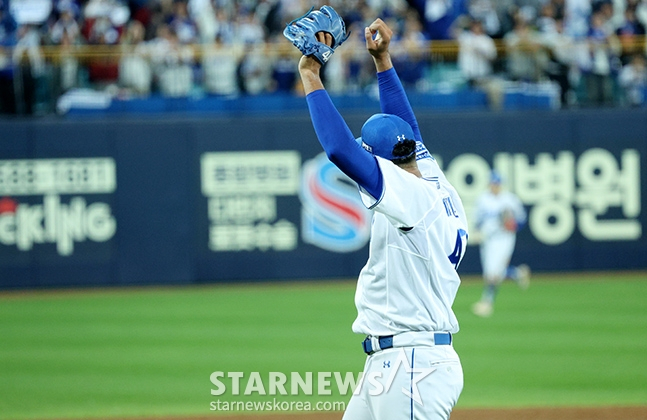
column 383, row 131
column 495, row 178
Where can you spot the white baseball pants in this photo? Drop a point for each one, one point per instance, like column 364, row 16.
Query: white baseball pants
column 408, row 383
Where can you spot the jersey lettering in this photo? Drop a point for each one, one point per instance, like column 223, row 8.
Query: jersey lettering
column 449, row 207
column 459, row 249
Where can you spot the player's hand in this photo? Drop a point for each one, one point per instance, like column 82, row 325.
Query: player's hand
column 324, row 38
column 309, row 63
column 310, row 67
column 378, row 37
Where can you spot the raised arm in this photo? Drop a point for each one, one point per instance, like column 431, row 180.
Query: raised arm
column 332, row 131
column 393, row 98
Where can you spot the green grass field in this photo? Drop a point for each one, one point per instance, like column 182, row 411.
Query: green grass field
column 570, row 340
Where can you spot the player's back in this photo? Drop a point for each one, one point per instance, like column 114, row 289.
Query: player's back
column 418, row 237
column 429, row 168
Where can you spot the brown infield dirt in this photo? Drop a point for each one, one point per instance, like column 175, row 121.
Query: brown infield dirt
column 547, row 413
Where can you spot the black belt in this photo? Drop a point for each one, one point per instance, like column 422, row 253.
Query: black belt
column 386, row 342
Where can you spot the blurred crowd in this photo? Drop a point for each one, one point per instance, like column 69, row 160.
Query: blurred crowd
column 592, row 50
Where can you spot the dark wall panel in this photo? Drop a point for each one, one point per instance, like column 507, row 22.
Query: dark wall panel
column 189, row 200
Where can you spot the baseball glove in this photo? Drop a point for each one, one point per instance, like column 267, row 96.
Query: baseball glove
column 509, row 221
column 302, row 32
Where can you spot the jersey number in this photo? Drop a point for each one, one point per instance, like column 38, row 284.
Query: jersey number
column 459, row 249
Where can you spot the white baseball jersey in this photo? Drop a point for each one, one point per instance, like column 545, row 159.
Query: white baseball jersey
column 418, row 238
column 497, row 244
column 490, row 209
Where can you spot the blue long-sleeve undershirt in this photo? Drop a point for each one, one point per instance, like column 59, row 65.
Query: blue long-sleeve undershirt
column 338, row 141
column 340, row 145
column 393, row 99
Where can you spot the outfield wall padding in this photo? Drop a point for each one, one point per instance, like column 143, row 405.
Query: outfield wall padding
column 120, row 201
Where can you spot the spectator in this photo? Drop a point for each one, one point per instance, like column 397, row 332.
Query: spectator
column 528, row 9
column 633, row 80
column 103, row 69
column 563, row 55
column 182, row 25
column 546, row 20
column 618, row 9
column 284, row 75
column 484, row 11
column 268, row 12
column 29, row 12
column 284, row 71
column 250, row 30
column 65, row 29
column 7, row 41
column 476, row 55
column 28, row 60
column 134, row 70
column 439, row 15
column 292, row 9
column 629, row 32
column 525, row 56
column 103, row 32
column 102, row 26
column 171, row 63
column 111, row 15
column 505, row 10
column 411, row 53
column 67, row 34
column 359, row 72
column 603, row 48
column 220, row 64
column 160, row 13
column 225, row 28
column 560, row 61
column 576, row 17
column 204, row 16
column 606, row 9
column 254, row 72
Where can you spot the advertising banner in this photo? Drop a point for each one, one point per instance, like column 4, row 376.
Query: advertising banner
column 249, row 199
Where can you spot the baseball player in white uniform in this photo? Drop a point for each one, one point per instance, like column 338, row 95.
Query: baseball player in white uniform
column 406, row 289
column 499, row 215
